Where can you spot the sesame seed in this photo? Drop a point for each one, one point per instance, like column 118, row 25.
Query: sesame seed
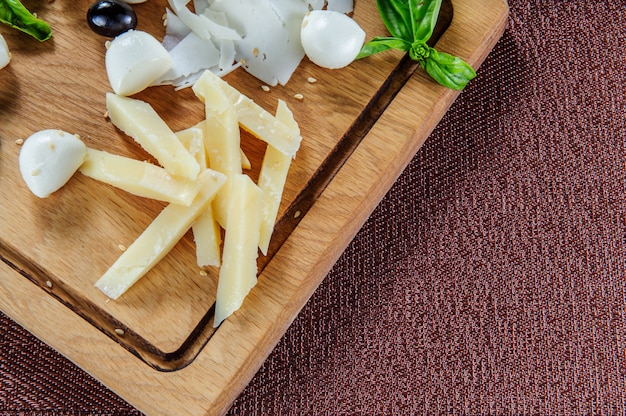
column 122, row 247
column 203, row 273
column 19, row 142
column 311, row 80
column 298, row 96
column 119, row 331
column 48, row 283
column 297, row 214
column 265, row 88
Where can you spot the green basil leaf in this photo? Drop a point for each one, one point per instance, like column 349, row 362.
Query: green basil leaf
column 14, row 14
column 381, row 44
column 397, row 17
column 449, row 71
column 424, row 15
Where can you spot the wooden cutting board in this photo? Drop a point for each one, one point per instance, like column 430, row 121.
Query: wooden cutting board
column 156, row 346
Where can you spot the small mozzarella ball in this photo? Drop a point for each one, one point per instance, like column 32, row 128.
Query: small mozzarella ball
column 331, row 39
column 5, row 54
column 134, row 60
column 48, row 159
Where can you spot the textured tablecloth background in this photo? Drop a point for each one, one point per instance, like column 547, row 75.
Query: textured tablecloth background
column 491, row 278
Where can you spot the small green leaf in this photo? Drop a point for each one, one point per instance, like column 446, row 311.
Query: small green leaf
column 380, row 44
column 424, row 14
column 14, row 14
column 397, row 17
column 449, row 71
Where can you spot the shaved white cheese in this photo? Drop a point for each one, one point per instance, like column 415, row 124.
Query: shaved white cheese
column 190, row 55
column 175, row 30
column 316, row 4
column 341, row 6
column 270, row 47
column 202, row 25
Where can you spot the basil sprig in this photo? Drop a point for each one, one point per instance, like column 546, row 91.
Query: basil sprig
column 411, row 24
column 14, row 14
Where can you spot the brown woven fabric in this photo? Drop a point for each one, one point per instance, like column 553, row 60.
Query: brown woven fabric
column 491, row 278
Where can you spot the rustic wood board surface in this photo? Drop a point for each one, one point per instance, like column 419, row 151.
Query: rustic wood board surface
column 169, row 360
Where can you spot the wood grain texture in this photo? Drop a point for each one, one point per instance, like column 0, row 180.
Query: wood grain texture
column 69, row 239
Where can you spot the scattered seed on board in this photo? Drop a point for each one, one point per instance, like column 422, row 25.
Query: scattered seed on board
column 298, row 96
column 203, row 273
column 49, row 283
column 19, row 142
column 311, row 80
column 119, row 331
column 122, row 247
column 265, row 88
column 296, row 214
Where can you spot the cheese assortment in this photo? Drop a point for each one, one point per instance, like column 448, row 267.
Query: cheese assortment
column 200, row 176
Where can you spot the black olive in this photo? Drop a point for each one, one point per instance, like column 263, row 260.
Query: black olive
column 111, row 18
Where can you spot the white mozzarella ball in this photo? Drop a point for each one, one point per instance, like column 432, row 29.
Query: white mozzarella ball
column 331, row 39
column 48, row 159
column 134, row 60
column 5, row 55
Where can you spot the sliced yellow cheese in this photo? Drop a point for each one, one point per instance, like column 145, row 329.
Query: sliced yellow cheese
column 140, row 121
column 222, row 141
column 193, row 140
column 206, row 231
column 252, row 117
column 245, row 162
column 208, row 238
column 139, row 178
column 272, row 178
column 238, row 273
column 158, row 239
